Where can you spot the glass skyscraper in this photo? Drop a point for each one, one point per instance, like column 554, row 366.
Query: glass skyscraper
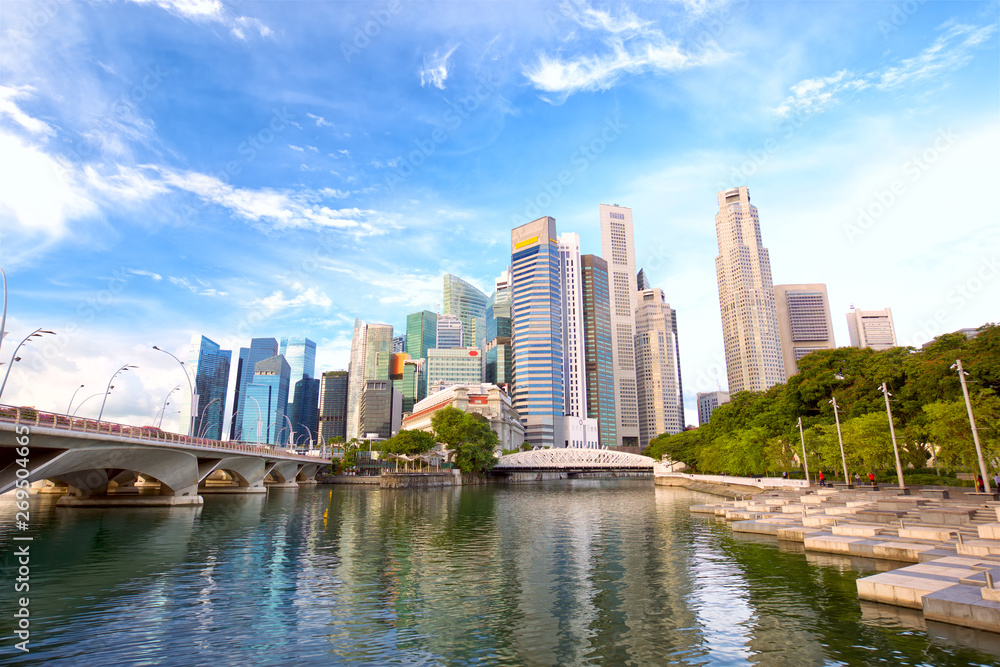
column 211, row 369
column 597, row 347
column 303, row 408
column 267, row 399
column 259, row 350
column 333, row 406
column 421, row 333
column 451, row 333
column 468, row 303
column 499, row 368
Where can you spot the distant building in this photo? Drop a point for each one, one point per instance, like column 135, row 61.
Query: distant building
column 260, row 349
column 597, row 350
column 381, row 409
column 267, row 399
column 708, row 402
column 421, row 333
column 303, row 391
column 871, row 328
column 450, row 333
column 657, row 367
column 485, row 399
column 399, row 344
column 468, row 303
column 574, row 376
column 969, row 332
column 211, row 369
column 461, row 365
column 409, row 381
column 499, row 367
column 371, row 350
column 333, row 406
column 642, row 281
column 803, row 321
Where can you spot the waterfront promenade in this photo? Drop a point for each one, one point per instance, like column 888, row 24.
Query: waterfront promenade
column 949, row 538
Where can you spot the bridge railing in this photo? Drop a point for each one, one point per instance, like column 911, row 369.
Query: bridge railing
column 30, row 416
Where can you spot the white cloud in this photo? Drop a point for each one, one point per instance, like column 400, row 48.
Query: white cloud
column 435, row 69
column 211, row 11
column 336, row 194
column 8, row 108
column 201, row 289
column 320, row 121
column 277, row 301
column 142, row 272
column 295, row 148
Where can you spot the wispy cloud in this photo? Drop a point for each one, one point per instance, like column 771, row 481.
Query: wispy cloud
column 435, row 69
column 201, row 289
column 211, row 11
column 295, row 148
column 143, row 272
column 320, row 121
column 950, row 51
column 277, row 301
column 9, row 108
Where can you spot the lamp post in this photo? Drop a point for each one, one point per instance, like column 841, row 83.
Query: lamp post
column 72, row 398
column 291, row 433
column 258, row 417
column 203, row 411
column 80, row 404
column 972, row 423
column 37, row 333
column 3, row 320
column 108, row 391
column 805, row 461
column 163, row 411
column 840, row 439
column 892, row 432
column 194, row 396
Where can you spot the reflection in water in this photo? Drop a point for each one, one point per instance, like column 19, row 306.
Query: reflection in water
column 575, row 572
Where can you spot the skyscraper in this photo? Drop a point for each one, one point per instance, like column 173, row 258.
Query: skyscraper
column 371, row 351
column 460, row 365
column 399, row 344
column 658, row 367
column 211, row 369
column 303, row 391
column 574, row 375
column 468, row 303
column 267, row 399
column 871, row 328
column 597, row 350
column 410, row 381
column 333, row 406
column 451, row 333
column 537, row 338
column 708, row 402
column 260, row 349
column 421, row 333
column 746, row 296
column 619, row 252
column 499, row 368
column 803, row 321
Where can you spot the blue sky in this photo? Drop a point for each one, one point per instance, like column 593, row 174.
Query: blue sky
column 240, row 169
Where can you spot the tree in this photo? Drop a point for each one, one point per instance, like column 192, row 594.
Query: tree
column 410, row 443
column 469, row 436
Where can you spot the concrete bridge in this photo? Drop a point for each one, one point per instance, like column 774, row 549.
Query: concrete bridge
column 573, row 462
column 102, row 463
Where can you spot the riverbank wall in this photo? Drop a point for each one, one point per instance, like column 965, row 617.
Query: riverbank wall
column 725, row 490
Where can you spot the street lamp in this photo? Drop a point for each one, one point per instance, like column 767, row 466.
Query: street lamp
column 259, row 422
column 972, row 423
column 840, row 439
column 203, row 411
column 37, row 333
column 80, row 404
column 291, row 432
column 71, row 398
column 805, row 461
column 108, row 391
column 163, row 411
column 895, row 449
column 194, row 396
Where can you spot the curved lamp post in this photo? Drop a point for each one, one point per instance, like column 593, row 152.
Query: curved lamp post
column 194, row 396
column 258, row 417
column 972, row 422
column 163, row 410
column 201, row 419
column 37, row 333
column 72, row 398
column 892, row 432
column 840, row 439
column 291, row 433
column 108, row 391
column 80, row 404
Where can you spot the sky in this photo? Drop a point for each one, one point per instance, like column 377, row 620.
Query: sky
column 240, row 169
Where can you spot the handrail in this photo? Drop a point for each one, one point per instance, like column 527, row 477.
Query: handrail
column 18, row 415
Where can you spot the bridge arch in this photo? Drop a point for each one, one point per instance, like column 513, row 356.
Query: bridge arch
column 574, row 459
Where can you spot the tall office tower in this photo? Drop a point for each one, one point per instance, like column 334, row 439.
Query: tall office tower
column 597, row 350
column 356, row 379
column 450, row 332
column 333, row 406
column 461, row 365
column 708, row 402
column 642, row 282
column 421, row 333
column 409, row 380
column 619, row 252
column 267, row 398
column 378, row 351
column 399, row 344
column 746, row 296
column 468, row 303
column 498, row 351
column 303, row 390
column 574, row 376
column 657, row 367
column 871, row 328
column 259, row 350
column 211, row 371
column 536, row 332
column 803, row 321
column 380, row 410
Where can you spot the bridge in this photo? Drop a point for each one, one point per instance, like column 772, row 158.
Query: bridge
column 102, row 463
column 575, row 461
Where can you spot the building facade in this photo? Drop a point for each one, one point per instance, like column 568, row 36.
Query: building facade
column 484, row 399
column 468, row 303
column 211, row 370
column 303, row 391
column 450, row 332
column 260, row 349
column 371, row 350
column 618, row 251
column 658, row 367
column 574, row 373
column 746, row 296
column 462, row 365
column 708, row 402
column 871, row 328
column 380, row 410
column 597, row 348
column 803, row 322
column 421, row 333
column 333, row 406
column 499, row 368
column 267, row 399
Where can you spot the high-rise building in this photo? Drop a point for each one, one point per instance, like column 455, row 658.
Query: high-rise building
column 499, row 368
column 536, row 336
column 303, row 391
column 410, row 381
column 746, row 296
column 211, row 370
column 450, row 332
column 421, row 333
column 642, row 281
column 708, row 402
column 574, row 374
column 657, row 367
column 260, row 349
column 399, row 344
column 597, row 350
column 461, row 365
column 468, row 303
column 267, row 399
column 333, row 406
column 803, row 321
column 618, row 250
column 371, row 350
column 871, row 328
column 380, row 410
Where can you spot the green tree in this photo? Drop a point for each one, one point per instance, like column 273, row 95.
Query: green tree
column 469, row 436
column 410, row 443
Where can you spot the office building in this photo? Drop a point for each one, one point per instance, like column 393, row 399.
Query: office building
column 303, row 391
column 657, row 367
column 450, row 332
column 380, row 410
column 803, row 322
column 461, row 365
column 371, row 350
column 260, row 349
column 642, row 281
column 333, row 406
column 421, row 333
column 408, row 379
column 211, row 370
column 574, row 375
column 871, row 328
column 597, row 348
column 267, row 399
column 536, row 331
column 468, row 303
column 483, row 399
column 746, row 296
column 708, row 402
column 618, row 251
column 499, row 367
column 399, row 344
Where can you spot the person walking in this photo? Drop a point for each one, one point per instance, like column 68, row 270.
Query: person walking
column 822, row 479
column 857, row 479
column 871, row 478
column 979, row 484
column 996, row 481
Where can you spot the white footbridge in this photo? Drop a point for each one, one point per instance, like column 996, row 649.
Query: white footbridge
column 573, row 461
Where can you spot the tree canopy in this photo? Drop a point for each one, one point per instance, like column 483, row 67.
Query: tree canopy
column 469, row 435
